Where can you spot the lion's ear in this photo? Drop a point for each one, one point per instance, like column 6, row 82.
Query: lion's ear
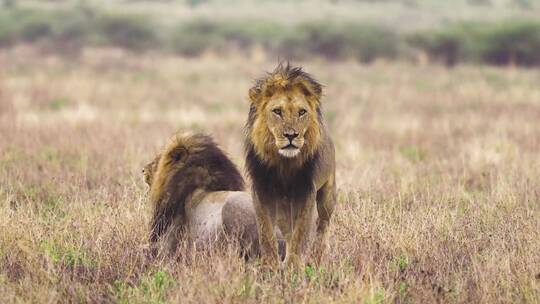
column 254, row 94
column 178, row 154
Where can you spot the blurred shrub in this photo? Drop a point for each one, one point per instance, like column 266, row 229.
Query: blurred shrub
column 7, row 31
column 131, row 32
column 246, row 33
column 35, row 27
column 69, row 30
column 508, row 42
column 49, row 29
column 448, row 45
column 22, row 25
column 75, row 28
column 332, row 41
column 338, row 41
column 194, row 37
column 513, row 42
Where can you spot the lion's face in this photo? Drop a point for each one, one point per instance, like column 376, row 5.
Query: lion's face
column 284, row 120
column 288, row 117
column 149, row 169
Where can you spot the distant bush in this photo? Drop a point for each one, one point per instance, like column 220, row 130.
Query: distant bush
column 35, row 27
column 338, row 41
column 75, row 28
column 23, row 25
column 194, row 37
column 131, row 32
column 445, row 45
column 7, row 31
column 515, row 42
column 508, row 42
column 332, row 41
column 68, row 30
column 246, row 33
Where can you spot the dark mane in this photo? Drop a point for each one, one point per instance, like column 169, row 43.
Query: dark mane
column 270, row 182
column 206, row 167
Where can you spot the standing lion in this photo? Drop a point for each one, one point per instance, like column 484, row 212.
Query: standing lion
column 290, row 158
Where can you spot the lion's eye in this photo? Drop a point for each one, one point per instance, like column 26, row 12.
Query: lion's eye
column 277, row 111
column 301, row 112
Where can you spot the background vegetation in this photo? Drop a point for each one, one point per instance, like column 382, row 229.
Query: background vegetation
column 438, row 169
column 67, row 28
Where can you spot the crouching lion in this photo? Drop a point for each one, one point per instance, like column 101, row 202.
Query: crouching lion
column 291, row 161
column 197, row 193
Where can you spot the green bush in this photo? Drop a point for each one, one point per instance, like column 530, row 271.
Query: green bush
column 192, row 38
column 76, row 28
column 332, row 41
column 131, row 32
column 501, row 43
column 34, row 29
column 7, row 30
column 338, row 41
column 18, row 25
column 50, row 29
column 508, row 42
column 512, row 42
column 448, row 45
column 247, row 33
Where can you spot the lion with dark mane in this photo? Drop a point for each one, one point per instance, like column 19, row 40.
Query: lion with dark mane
column 291, row 161
column 196, row 190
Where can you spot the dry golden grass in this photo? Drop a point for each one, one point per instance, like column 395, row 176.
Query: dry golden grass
column 438, row 172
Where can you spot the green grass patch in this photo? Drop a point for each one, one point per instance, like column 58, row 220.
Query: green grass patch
column 57, row 104
column 399, row 263
column 377, row 298
column 66, row 254
column 413, row 153
column 151, row 288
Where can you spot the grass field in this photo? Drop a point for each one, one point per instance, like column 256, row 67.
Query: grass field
column 438, row 179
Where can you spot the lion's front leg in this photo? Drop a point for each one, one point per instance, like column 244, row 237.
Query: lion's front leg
column 326, row 201
column 301, row 230
column 267, row 238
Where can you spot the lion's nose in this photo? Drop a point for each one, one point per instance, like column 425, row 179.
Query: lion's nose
column 290, row 135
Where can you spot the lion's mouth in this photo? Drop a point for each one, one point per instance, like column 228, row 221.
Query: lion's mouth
column 289, row 151
column 290, row 146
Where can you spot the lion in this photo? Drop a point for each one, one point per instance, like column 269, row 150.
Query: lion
column 149, row 170
column 290, row 159
column 190, row 169
column 197, row 192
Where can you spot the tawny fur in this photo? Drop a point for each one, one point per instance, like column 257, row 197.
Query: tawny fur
column 190, row 165
column 291, row 161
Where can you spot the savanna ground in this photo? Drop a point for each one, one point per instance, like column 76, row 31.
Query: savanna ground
column 438, row 172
